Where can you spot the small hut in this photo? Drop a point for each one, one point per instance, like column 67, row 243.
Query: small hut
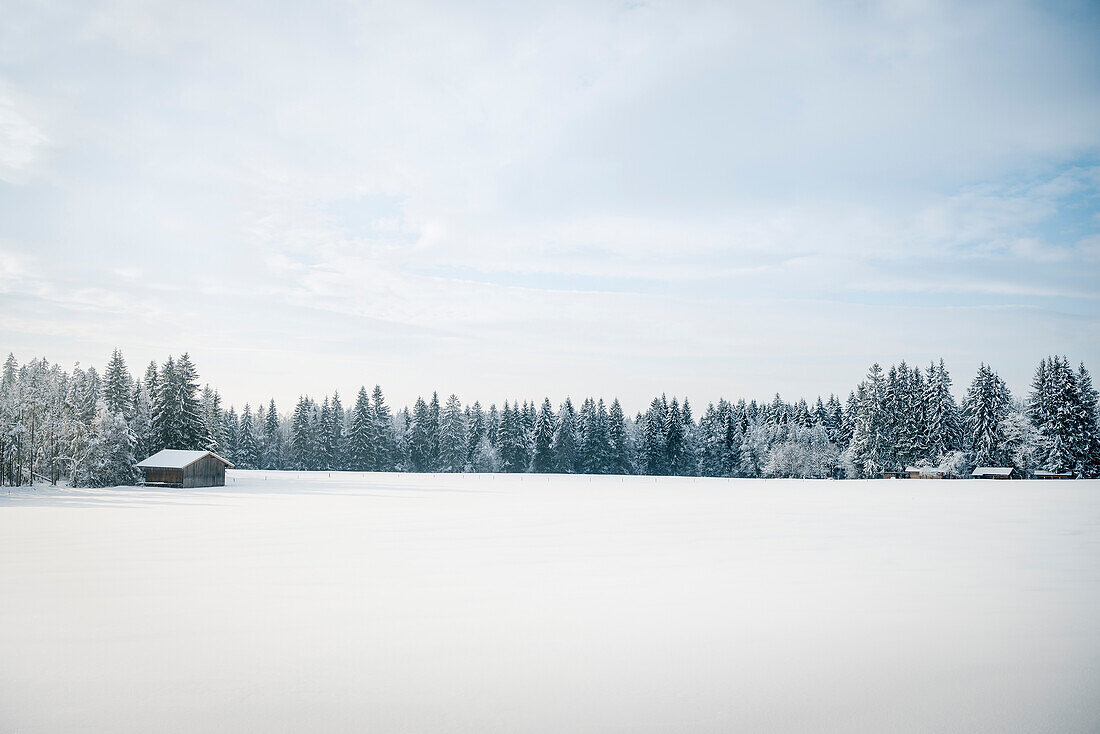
column 176, row 468
column 1053, row 475
column 916, row 472
column 992, row 472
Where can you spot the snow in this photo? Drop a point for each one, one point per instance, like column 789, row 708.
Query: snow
column 288, row 602
column 177, row 459
column 992, row 471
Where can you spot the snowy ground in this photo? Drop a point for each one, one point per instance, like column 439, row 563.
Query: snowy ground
column 399, row 603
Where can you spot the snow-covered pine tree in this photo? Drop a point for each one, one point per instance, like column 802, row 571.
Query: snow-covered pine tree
column 190, row 409
column 595, row 439
column 986, row 410
column 303, row 450
column 1090, row 415
column 214, row 424
column 272, row 445
column 248, row 444
column 674, row 439
column 617, row 441
column 868, row 449
column 326, row 438
column 361, row 436
column 942, row 418
column 566, row 450
column 118, row 386
column 142, row 424
column 420, row 438
column 452, row 436
column 109, row 457
column 542, row 460
column 433, row 432
column 475, row 436
column 655, row 447
column 340, row 433
column 386, row 453
column 713, row 431
column 230, row 450
column 1056, row 409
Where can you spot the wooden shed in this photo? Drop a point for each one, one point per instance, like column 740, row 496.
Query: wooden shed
column 176, row 468
column 916, row 472
column 992, row 472
column 1053, row 475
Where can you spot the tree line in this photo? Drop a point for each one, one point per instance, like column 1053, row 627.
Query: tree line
column 90, row 429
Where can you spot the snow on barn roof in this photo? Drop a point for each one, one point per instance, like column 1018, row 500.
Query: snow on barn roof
column 992, row 471
column 177, row 459
column 1040, row 473
column 925, row 470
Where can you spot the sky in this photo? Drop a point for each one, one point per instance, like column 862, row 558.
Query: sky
column 511, row 200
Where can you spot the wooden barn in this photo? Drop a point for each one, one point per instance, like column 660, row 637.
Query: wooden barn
column 1053, row 475
column 916, row 472
column 176, row 468
column 992, row 472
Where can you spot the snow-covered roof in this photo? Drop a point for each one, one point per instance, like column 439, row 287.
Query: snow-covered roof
column 1053, row 474
column 925, row 470
column 177, row 459
column 992, row 471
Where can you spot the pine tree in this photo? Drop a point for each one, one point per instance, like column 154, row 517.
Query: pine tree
column 362, row 437
column 986, row 410
column 142, row 423
column 1089, row 465
column 272, row 449
column 943, row 423
column 326, row 438
column 674, row 440
column 868, row 449
column 386, row 453
column 190, row 409
column 214, row 424
column 166, row 421
column 303, row 450
column 655, row 447
column 510, row 439
column 475, row 436
column 420, row 437
column 248, row 445
column 543, row 460
column 109, row 460
column 339, row 437
column 594, row 439
column 118, row 386
column 618, row 445
column 433, row 432
column 452, row 436
column 566, row 451
column 230, row 450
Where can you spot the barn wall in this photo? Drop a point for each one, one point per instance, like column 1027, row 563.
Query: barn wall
column 206, row 472
column 163, row 476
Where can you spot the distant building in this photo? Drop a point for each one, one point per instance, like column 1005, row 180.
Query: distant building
column 992, row 472
column 916, row 472
column 176, row 468
column 1053, row 475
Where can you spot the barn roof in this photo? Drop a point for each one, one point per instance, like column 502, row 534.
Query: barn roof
column 177, row 459
column 992, row 471
column 1040, row 473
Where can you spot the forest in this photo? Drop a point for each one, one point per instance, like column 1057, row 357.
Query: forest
column 89, row 429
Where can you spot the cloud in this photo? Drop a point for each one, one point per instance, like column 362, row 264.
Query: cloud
column 519, row 195
column 22, row 140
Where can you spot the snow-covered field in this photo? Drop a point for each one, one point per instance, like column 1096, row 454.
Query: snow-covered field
column 290, row 602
